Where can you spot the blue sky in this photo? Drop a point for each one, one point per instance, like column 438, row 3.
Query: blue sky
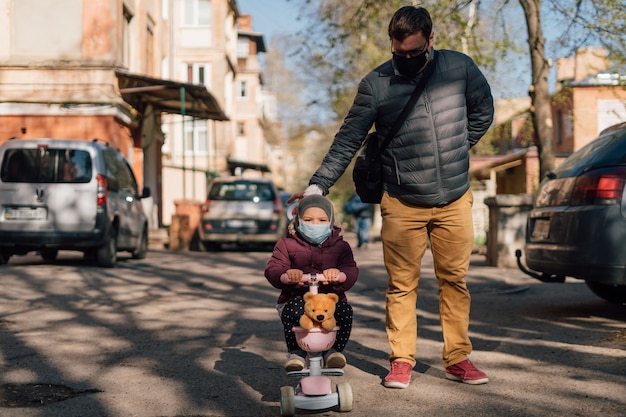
column 272, row 17
column 280, row 17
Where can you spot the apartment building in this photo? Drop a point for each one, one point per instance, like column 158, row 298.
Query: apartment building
column 214, row 46
column 157, row 79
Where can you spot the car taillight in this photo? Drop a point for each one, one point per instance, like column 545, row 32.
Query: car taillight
column 599, row 187
column 102, row 190
column 205, row 207
column 278, row 206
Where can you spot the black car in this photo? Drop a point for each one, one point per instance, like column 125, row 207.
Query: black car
column 577, row 227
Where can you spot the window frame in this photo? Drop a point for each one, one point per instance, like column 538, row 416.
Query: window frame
column 191, row 13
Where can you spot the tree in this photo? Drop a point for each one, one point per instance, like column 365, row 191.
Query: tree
column 584, row 23
column 540, row 109
column 347, row 38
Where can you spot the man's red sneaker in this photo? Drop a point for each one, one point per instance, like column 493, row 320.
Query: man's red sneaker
column 399, row 376
column 467, row 373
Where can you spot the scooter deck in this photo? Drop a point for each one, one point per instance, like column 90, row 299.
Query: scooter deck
column 327, row 372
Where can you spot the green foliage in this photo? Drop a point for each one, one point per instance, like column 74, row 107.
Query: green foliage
column 591, row 23
column 348, row 38
column 344, row 39
column 490, row 144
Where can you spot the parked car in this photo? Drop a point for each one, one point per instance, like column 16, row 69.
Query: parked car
column 242, row 211
column 284, row 196
column 577, row 226
column 58, row 194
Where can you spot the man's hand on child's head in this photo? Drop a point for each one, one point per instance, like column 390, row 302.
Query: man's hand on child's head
column 310, row 190
column 296, row 196
column 331, row 274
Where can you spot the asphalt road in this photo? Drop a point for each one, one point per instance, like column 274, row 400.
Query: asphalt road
column 191, row 334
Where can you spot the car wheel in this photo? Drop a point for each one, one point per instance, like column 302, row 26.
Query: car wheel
column 5, row 254
column 49, row 255
column 609, row 292
column 212, row 246
column 107, row 253
column 141, row 250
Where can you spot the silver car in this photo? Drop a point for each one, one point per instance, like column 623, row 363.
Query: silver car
column 242, row 211
column 577, row 227
column 58, row 194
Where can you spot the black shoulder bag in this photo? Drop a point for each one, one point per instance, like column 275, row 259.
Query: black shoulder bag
column 367, row 171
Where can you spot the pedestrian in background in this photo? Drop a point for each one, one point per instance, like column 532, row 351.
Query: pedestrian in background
column 425, row 171
column 362, row 213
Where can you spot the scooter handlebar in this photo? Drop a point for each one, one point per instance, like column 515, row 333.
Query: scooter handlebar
column 312, row 279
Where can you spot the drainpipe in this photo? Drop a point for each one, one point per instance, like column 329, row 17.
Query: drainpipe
column 182, row 113
column 193, row 150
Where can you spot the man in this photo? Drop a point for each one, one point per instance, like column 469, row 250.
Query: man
column 426, row 184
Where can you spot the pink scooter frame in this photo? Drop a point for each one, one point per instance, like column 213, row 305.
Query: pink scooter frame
column 314, row 391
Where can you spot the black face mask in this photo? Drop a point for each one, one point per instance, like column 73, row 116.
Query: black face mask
column 409, row 67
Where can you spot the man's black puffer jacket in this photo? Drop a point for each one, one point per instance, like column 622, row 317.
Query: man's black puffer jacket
column 427, row 162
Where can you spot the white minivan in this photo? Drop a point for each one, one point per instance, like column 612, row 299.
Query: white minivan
column 63, row 194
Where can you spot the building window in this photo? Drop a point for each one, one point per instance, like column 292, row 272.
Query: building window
column 242, row 89
column 241, row 129
column 196, row 140
column 150, row 52
column 559, row 127
column 127, row 38
column 243, row 48
column 199, row 73
column 197, row 12
column 189, row 141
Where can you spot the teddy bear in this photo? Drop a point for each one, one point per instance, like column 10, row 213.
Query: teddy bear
column 319, row 311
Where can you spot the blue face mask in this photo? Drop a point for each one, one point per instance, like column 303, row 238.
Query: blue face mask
column 314, row 233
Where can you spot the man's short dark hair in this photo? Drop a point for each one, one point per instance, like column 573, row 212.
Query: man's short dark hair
column 409, row 20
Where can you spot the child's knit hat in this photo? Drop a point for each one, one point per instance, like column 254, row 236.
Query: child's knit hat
column 319, row 201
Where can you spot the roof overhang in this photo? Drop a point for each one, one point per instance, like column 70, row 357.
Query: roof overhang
column 255, row 37
column 169, row 96
column 233, row 166
column 484, row 167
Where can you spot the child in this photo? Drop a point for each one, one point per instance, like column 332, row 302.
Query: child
column 313, row 245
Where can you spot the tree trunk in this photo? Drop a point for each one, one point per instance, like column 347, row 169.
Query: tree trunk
column 540, row 108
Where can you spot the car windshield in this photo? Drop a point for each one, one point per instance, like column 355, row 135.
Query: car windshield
column 605, row 151
column 45, row 164
column 242, row 191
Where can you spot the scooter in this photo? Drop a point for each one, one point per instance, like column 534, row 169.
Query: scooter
column 314, row 390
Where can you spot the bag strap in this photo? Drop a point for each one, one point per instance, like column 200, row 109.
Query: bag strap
column 430, row 68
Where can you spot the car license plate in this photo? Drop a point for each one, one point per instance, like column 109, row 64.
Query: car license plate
column 541, row 230
column 240, row 223
column 38, row 213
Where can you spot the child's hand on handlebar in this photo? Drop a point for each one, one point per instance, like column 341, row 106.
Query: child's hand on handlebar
column 295, row 276
column 331, row 275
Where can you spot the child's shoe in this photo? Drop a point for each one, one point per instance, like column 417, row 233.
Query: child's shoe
column 295, row 362
column 334, row 359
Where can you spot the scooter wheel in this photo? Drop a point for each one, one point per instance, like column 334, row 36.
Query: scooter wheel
column 344, row 394
column 287, row 401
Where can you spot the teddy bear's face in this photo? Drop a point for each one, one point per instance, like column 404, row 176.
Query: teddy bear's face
column 320, row 307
